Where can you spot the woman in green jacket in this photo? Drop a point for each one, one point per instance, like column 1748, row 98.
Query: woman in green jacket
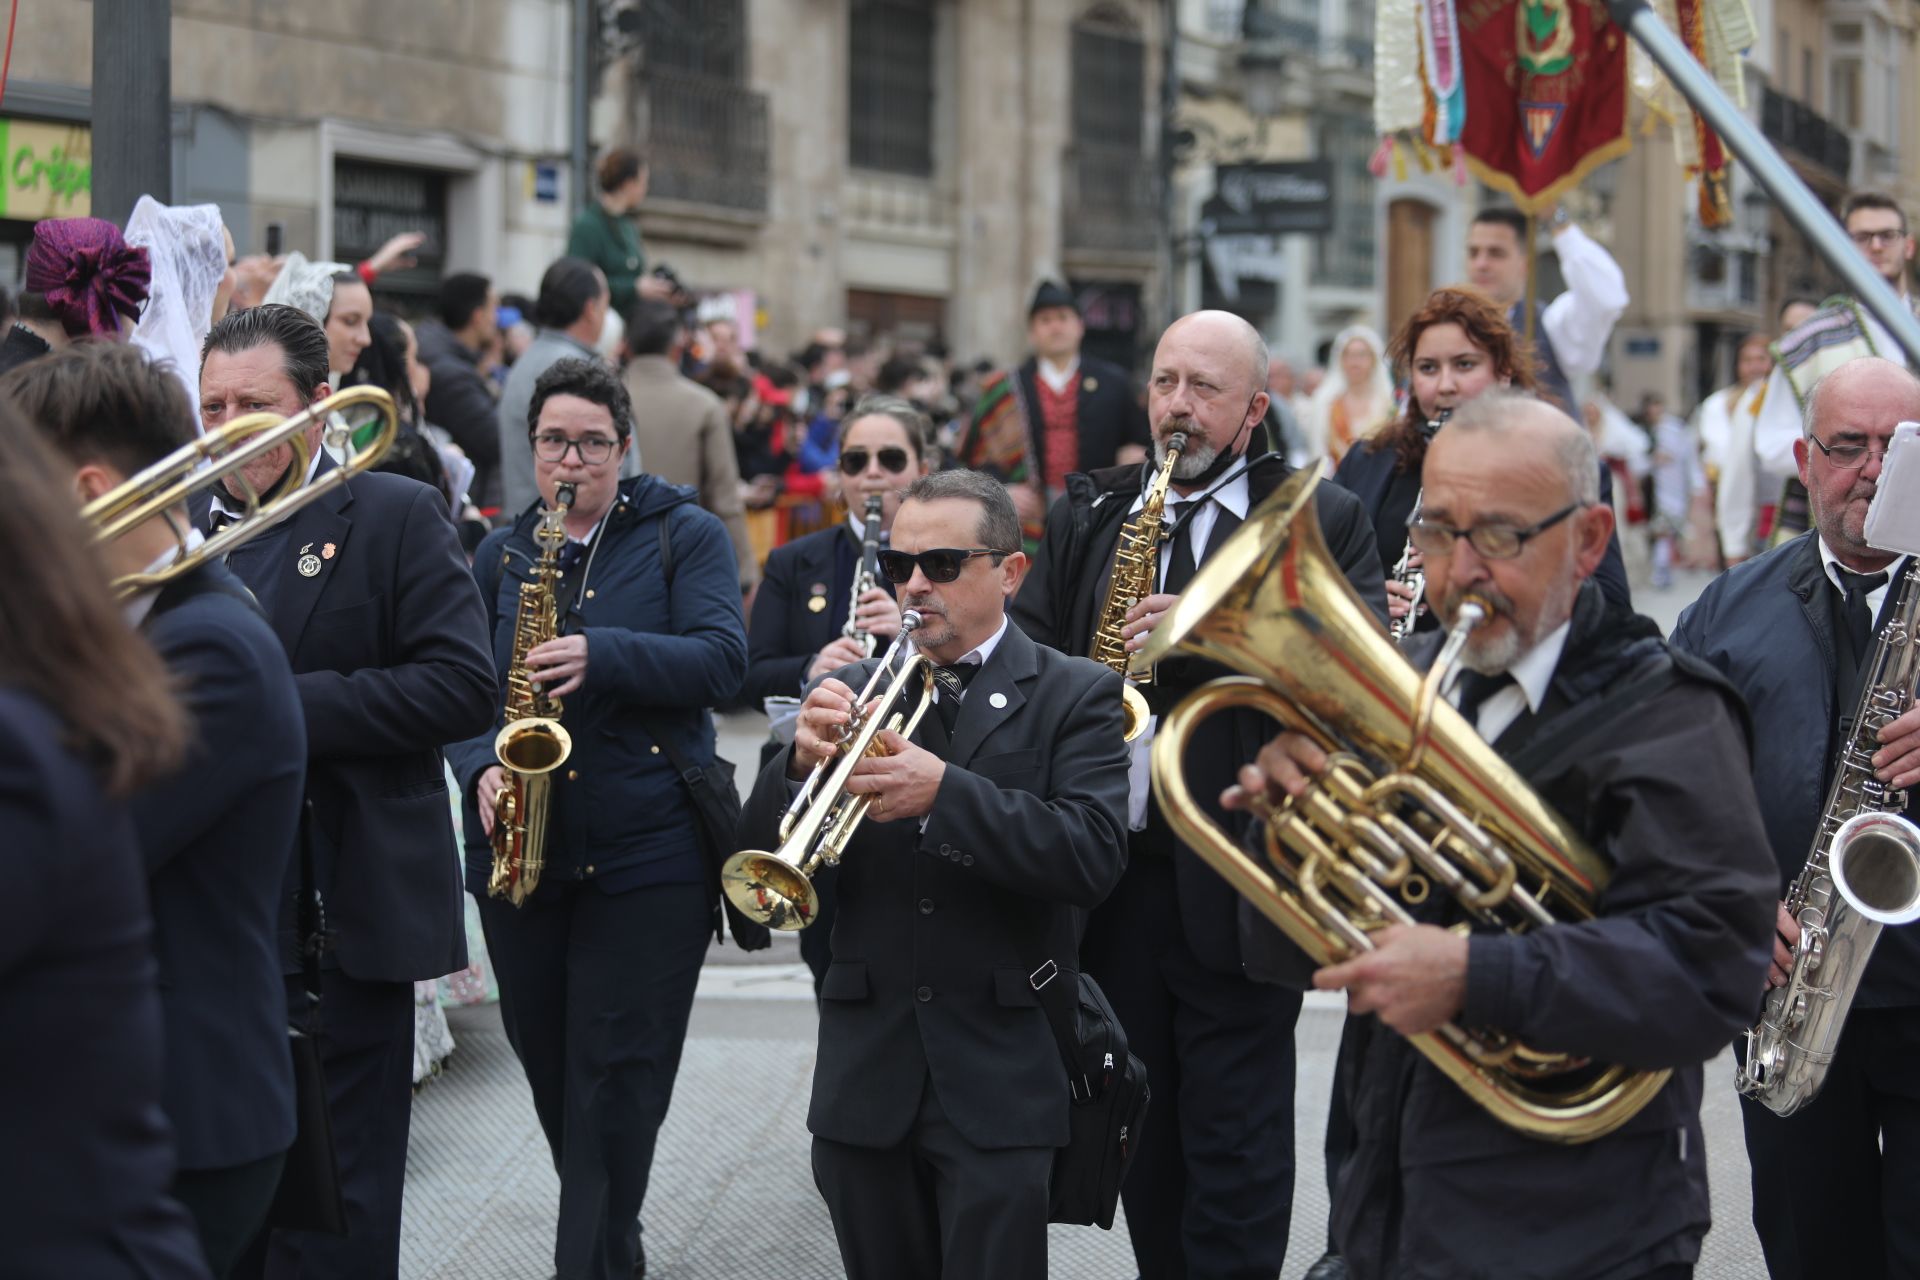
column 606, row 235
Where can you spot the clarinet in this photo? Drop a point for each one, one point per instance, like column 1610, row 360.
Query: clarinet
column 1404, row 573
column 867, row 577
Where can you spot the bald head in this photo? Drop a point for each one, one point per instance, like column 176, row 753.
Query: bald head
column 1537, row 431
column 1889, row 390
column 1226, row 333
column 1851, row 416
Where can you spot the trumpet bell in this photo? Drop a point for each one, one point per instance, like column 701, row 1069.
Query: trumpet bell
column 762, row 887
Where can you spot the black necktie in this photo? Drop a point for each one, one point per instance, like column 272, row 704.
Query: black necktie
column 952, row 681
column 1475, row 689
column 571, row 554
column 1859, row 615
column 1182, row 566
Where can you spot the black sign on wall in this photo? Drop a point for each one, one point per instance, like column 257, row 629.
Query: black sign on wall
column 1270, row 199
column 372, row 203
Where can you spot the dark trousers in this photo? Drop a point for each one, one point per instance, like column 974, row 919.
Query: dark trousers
column 936, row 1207
column 1835, row 1184
column 1210, row 1191
column 366, row 1050
column 229, row 1206
column 595, row 992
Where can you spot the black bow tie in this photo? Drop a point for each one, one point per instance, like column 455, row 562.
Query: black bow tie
column 1476, row 688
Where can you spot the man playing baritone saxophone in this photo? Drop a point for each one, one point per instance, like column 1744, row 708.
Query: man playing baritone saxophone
column 1834, row 1183
column 1643, row 753
column 597, row 966
column 940, row 1096
column 1210, row 1191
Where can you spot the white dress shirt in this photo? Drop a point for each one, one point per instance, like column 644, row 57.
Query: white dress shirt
column 1232, row 494
column 1876, row 597
column 1058, row 377
column 1580, row 321
column 136, row 607
column 974, row 657
column 1532, row 673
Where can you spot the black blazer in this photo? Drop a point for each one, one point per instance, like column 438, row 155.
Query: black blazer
column 218, row 838
column 389, row 646
column 1109, row 415
column 87, row 1157
column 1058, row 606
column 929, row 971
column 788, row 627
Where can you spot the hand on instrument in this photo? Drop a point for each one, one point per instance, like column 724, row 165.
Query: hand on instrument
column 878, row 613
column 1143, row 618
column 825, row 714
column 1897, row 762
column 1399, row 598
column 1786, row 938
column 840, row 653
column 1283, row 768
column 903, row 783
column 486, row 790
column 558, row 666
column 1415, row 978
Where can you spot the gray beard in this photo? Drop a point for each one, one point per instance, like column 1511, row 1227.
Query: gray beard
column 1194, row 459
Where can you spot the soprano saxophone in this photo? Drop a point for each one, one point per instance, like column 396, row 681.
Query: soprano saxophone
column 1404, row 573
column 533, row 744
column 1136, row 561
column 1862, row 874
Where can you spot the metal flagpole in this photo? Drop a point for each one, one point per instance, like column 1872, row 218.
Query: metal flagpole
column 1769, row 170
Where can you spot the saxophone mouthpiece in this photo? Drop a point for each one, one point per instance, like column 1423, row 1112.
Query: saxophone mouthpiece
column 1177, row 442
column 563, row 494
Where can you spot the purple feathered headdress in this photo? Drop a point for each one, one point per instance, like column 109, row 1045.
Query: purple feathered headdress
column 88, row 273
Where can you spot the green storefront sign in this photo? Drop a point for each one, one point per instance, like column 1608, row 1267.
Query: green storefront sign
column 46, row 170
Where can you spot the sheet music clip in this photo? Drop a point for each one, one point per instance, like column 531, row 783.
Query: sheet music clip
column 1893, row 519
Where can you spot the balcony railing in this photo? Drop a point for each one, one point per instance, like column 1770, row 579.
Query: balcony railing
column 1790, row 123
column 1110, row 200
column 706, row 140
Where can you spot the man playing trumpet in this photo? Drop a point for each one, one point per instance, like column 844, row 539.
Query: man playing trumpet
column 1586, row 702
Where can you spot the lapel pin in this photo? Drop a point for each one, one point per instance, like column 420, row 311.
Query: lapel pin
column 326, row 552
column 997, row 700
column 1090, row 385
column 308, row 564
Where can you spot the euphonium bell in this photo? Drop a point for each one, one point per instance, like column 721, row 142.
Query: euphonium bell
column 776, row 888
column 1412, row 799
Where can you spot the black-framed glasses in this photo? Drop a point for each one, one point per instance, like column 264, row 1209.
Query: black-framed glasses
column 1491, row 541
column 1847, row 457
column 853, row 461
column 1867, row 239
column 593, row 450
column 941, row 564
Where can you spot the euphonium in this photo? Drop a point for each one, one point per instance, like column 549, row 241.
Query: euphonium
column 866, row 577
column 1136, row 564
column 1862, row 874
column 777, row 888
column 533, row 744
column 1413, row 799
column 1414, row 579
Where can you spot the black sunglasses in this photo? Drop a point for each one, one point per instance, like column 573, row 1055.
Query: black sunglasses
column 854, row 461
column 942, row 564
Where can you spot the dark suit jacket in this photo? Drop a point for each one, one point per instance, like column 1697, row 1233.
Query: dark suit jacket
column 931, row 944
column 87, row 1157
column 1110, row 415
column 389, row 647
column 217, row 836
column 1058, row 606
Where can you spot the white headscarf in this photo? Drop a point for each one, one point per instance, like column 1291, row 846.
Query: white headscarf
column 188, row 257
column 1379, row 389
column 307, row 285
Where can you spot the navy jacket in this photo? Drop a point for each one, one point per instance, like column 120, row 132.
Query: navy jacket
column 87, row 1157
column 799, row 609
column 388, row 644
column 1058, row 606
column 218, row 838
column 937, row 928
column 1766, row 624
column 1645, row 754
column 620, row 816
column 1371, row 471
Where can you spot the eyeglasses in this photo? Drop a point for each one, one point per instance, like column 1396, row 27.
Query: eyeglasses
column 593, row 450
column 1491, row 541
column 1846, row 457
column 942, row 564
column 854, row 461
column 1867, row 239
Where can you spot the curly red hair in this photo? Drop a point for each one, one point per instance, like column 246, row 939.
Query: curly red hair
column 1486, row 327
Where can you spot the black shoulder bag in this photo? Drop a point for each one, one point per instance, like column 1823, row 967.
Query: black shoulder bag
column 1108, row 1096
column 308, row 1198
column 716, row 806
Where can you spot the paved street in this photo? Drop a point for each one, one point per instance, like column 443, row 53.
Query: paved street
column 732, row 1194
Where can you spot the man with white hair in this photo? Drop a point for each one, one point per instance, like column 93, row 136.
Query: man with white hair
column 1642, row 753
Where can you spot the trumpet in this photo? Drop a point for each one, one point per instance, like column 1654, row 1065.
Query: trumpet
column 221, row 454
column 777, row 888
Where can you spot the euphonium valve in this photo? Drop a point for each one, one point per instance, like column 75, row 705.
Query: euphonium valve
column 776, row 887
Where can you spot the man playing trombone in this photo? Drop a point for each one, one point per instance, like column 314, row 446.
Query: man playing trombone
column 939, row 1096
column 1641, row 755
